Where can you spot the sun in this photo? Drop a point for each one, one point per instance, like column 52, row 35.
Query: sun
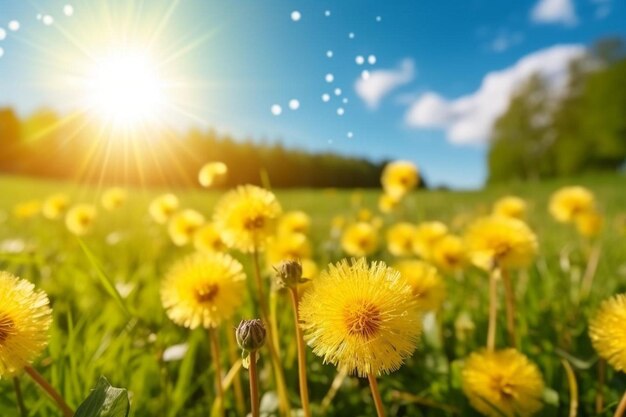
column 125, row 89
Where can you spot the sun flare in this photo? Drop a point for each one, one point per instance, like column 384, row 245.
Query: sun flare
column 125, row 88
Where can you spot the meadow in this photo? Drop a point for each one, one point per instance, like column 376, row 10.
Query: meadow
column 108, row 317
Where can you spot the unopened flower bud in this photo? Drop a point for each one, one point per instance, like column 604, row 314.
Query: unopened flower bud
column 250, row 335
column 289, row 274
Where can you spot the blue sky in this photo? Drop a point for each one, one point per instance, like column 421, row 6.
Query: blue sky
column 443, row 69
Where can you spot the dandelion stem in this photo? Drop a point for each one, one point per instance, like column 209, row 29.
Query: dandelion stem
column 590, row 271
column 573, row 388
column 493, row 310
column 378, row 402
column 281, row 387
column 53, row 393
column 621, row 408
column 334, row 388
column 600, row 389
column 509, row 296
column 232, row 356
column 304, row 389
column 19, row 398
column 215, row 352
column 254, row 387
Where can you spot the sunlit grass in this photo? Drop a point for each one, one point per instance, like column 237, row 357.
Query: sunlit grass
column 92, row 333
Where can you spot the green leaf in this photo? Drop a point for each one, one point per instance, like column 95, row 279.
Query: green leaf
column 106, row 282
column 105, row 401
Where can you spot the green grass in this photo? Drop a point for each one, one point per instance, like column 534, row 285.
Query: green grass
column 98, row 332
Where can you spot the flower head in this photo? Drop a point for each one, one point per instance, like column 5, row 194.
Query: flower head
column 246, row 217
column 114, row 198
column 569, row 202
column 80, row 218
column 250, row 335
column 25, row 319
column 163, row 207
column 500, row 241
column 426, row 234
column 400, row 239
column 510, row 206
column 607, row 331
column 387, row 203
column 359, row 239
column 294, row 222
column 208, row 239
column 289, row 273
column 183, row 226
column 502, row 383
column 203, row 289
column 426, row 283
column 289, row 246
column 361, row 317
column 55, row 206
column 448, row 253
column 589, row 224
column 212, row 173
column 27, row 209
column 399, row 177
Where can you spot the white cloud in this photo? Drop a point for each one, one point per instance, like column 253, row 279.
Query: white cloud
column 469, row 119
column 381, row 82
column 554, row 11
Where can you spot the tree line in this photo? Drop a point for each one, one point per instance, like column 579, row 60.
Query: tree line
column 582, row 129
column 46, row 145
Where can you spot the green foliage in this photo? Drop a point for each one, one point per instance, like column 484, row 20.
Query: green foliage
column 583, row 130
column 105, row 401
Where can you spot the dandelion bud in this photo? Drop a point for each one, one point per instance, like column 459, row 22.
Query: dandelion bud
column 250, row 335
column 289, row 274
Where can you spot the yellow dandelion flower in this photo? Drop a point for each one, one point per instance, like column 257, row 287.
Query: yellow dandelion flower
column 364, row 215
column 400, row 239
column 500, row 241
column 589, row 224
column 387, row 203
column 247, row 217
column 448, row 253
column 114, row 198
column 359, row 239
column 163, row 207
column 27, row 209
column 54, row 206
column 502, row 383
column 427, row 285
column 510, row 206
column 361, row 317
column 568, row 202
column 288, row 246
column 207, row 239
column 607, row 331
column 399, row 177
column 183, row 226
column 25, row 319
column 426, row 234
column 294, row 222
column 203, row 289
column 212, row 173
column 80, row 218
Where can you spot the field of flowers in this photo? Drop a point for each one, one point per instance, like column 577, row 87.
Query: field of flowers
column 489, row 313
